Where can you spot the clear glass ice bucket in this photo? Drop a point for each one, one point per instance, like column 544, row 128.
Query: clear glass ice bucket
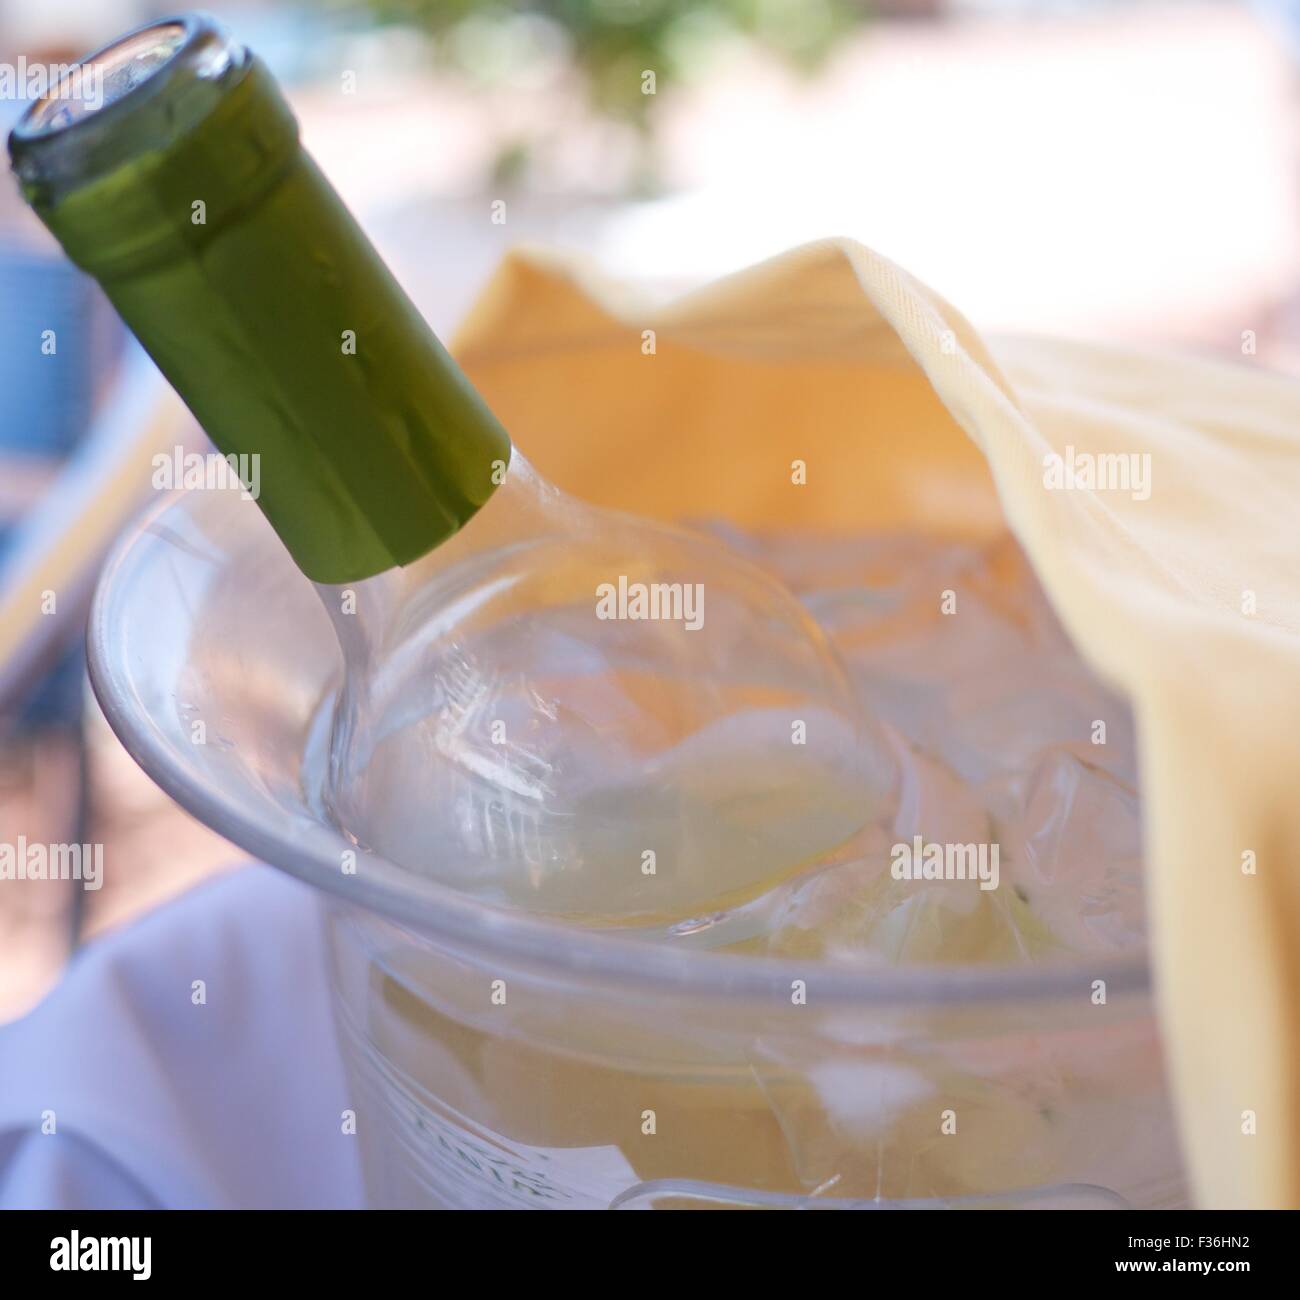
column 499, row 1060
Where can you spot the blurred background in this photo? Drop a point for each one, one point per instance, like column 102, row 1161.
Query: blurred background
column 1116, row 170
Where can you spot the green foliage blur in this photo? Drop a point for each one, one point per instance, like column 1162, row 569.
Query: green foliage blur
column 610, row 44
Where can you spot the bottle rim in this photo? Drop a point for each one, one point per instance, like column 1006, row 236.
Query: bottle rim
column 59, row 134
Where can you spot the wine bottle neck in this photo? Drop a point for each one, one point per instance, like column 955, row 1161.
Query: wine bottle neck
column 187, row 194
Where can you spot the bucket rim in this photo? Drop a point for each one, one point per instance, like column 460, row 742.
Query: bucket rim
column 469, row 926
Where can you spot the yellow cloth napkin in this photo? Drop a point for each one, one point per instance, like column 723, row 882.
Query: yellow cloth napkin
column 1187, row 598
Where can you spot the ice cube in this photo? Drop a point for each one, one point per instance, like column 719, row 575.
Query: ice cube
column 999, row 720
column 858, row 910
column 1074, row 851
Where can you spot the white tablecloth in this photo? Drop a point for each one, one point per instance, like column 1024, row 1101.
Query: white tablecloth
column 156, row 1099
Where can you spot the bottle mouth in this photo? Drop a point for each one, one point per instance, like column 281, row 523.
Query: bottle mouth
column 102, row 79
column 164, row 76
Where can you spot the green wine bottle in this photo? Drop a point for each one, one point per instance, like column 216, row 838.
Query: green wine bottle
column 188, row 195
